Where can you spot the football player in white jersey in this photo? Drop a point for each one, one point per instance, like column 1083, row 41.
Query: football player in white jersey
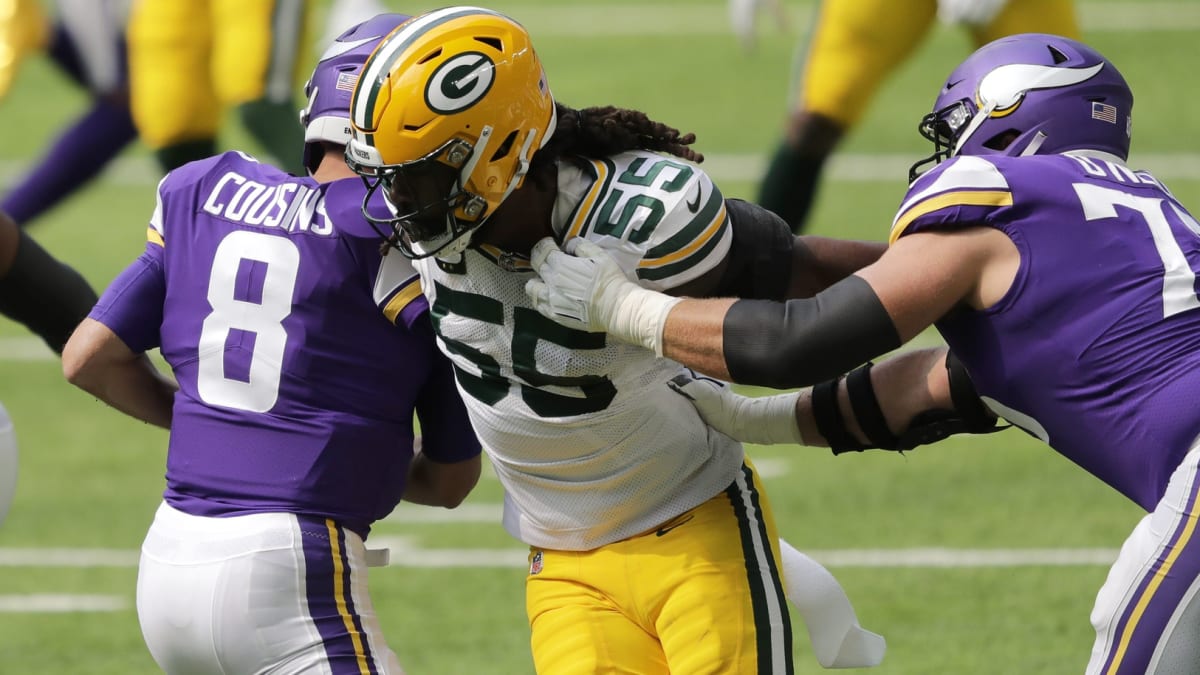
column 652, row 544
column 1062, row 277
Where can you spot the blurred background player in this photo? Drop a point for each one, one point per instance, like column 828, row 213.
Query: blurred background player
column 86, row 41
column 192, row 60
column 301, row 355
column 852, row 47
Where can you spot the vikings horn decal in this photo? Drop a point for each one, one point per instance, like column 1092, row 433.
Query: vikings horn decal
column 1004, row 87
column 459, row 83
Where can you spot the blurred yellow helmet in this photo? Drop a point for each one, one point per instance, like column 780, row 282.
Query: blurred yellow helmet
column 446, row 116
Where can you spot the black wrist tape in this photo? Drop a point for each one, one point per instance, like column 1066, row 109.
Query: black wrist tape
column 828, row 417
column 866, row 408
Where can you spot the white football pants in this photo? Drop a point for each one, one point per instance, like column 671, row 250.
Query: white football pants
column 264, row 593
column 1147, row 614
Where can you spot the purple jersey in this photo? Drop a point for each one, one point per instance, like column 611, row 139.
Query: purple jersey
column 1096, row 347
column 300, row 352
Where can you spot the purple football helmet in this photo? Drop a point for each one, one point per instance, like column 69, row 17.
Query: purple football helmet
column 1028, row 94
column 328, row 90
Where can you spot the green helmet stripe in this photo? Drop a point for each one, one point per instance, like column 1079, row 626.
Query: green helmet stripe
column 375, row 71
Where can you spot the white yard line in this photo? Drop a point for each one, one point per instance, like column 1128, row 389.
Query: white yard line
column 44, row 603
column 406, row 552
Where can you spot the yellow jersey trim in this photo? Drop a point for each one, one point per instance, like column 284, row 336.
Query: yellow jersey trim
column 402, row 299
column 959, row 198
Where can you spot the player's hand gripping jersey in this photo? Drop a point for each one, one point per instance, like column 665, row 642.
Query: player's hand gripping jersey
column 231, row 243
column 1048, row 354
column 588, row 459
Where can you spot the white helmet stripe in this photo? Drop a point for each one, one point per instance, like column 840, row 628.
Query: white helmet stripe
column 383, row 59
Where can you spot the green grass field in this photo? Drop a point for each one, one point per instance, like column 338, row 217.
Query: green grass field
column 915, row 539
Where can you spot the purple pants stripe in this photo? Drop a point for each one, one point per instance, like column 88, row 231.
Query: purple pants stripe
column 1146, row 616
column 329, row 589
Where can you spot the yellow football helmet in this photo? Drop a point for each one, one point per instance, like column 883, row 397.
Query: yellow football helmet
column 446, row 116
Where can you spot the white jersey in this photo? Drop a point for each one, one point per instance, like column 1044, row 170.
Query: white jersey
column 589, row 442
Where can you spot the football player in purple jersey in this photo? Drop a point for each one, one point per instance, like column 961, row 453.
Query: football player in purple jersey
column 1063, row 279
column 86, row 41
column 300, row 356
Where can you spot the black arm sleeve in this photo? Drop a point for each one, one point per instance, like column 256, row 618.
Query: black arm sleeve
column 802, row 342
column 759, row 264
column 46, row 295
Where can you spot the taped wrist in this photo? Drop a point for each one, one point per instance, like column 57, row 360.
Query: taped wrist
column 828, row 418
column 639, row 315
column 45, row 295
column 767, row 420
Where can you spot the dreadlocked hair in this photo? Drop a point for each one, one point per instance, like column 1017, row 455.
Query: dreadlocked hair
column 602, row 131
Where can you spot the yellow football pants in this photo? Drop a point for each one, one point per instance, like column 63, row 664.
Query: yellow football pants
column 700, row 594
column 856, row 44
column 190, row 59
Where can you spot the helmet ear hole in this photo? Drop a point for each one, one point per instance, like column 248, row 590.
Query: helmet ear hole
column 505, row 147
column 1002, row 140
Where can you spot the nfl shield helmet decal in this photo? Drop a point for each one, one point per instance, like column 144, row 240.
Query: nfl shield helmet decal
column 535, row 563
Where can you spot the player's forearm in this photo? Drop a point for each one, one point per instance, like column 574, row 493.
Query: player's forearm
column 905, row 386
column 436, row 484
column 820, row 262
column 134, row 387
column 781, row 345
column 694, row 335
column 97, row 361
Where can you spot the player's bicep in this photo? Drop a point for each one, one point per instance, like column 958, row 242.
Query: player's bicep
column 132, row 305
column 924, row 276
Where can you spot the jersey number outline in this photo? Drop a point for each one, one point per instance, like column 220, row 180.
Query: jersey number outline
column 529, row 327
column 1179, row 279
column 651, row 208
column 280, row 261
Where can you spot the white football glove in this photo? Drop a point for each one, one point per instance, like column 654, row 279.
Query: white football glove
column 743, row 18
column 583, row 287
column 969, row 12
column 763, row 420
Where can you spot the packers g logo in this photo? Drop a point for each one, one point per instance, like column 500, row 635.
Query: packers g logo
column 459, row 83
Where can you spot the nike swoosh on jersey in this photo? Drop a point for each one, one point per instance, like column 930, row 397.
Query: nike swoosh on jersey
column 339, row 48
column 694, row 205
